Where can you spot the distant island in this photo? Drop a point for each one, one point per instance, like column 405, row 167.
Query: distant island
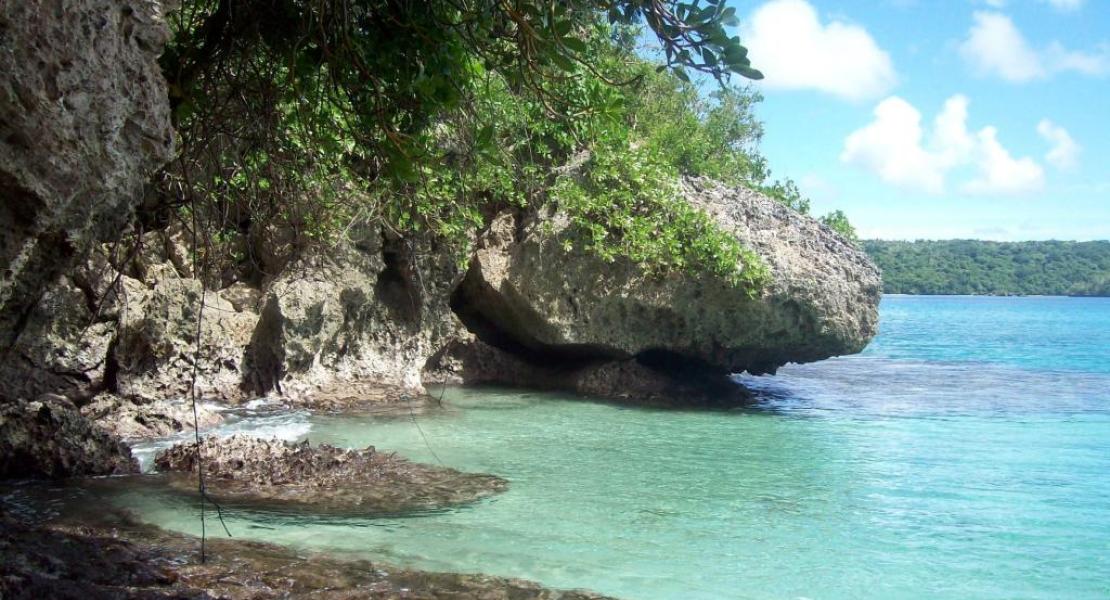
column 993, row 268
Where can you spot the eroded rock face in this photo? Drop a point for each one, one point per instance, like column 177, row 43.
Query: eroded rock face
column 49, row 438
column 84, row 121
column 140, row 418
column 346, row 329
column 63, row 349
column 528, row 296
column 323, row 478
column 372, row 309
column 156, row 345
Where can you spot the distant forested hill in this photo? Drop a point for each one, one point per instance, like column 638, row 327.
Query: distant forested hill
column 1002, row 268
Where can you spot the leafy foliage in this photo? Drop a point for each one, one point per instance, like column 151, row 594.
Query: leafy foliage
column 999, row 268
column 300, row 117
column 838, row 222
column 627, row 205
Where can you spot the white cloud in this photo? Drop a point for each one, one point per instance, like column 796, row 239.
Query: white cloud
column 891, row 146
column 1066, row 5
column 788, row 43
column 952, row 144
column 896, row 147
column 1086, row 63
column 1065, row 151
column 995, row 46
column 1000, row 173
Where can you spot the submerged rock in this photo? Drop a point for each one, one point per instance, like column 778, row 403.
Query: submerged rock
column 111, row 556
column 321, row 478
column 364, row 397
column 49, row 438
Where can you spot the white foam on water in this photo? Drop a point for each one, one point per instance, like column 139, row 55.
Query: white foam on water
column 262, row 403
column 291, row 426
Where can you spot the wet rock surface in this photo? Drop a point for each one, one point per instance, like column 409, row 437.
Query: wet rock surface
column 472, row 361
column 109, row 555
column 137, row 418
column 49, row 438
column 365, row 397
column 322, row 478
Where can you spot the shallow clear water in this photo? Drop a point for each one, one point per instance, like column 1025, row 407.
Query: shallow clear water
column 966, row 454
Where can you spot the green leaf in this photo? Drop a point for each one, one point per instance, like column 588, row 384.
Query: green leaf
column 749, row 72
column 728, row 17
column 562, row 28
column 735, row 53
column 485, row 135
column 575, row 44
column 563, row 62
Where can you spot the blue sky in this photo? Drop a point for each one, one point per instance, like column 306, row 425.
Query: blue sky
column 981, row 119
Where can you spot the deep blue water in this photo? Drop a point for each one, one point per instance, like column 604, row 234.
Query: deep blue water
column 965, row 454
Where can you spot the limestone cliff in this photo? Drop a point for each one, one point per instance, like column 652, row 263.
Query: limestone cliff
column 527, row 295
column 84, row 122
column 120, row 336
column 377, row 309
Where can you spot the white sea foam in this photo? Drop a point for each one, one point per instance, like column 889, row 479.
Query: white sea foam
column 290, row 426
column 262, row 403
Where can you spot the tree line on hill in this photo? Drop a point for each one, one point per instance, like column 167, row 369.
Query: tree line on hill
column 993, row 268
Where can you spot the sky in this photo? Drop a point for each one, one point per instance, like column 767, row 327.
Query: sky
column 930, row 119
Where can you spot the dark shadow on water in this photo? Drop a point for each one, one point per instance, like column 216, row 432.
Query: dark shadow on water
column 856, row 387
column 518, row 398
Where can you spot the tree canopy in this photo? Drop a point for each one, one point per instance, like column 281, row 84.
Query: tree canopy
column 1000, row 268
column 297, row 117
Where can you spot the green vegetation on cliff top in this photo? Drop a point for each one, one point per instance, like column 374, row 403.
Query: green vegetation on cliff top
column 999, row 268
column 298, row 117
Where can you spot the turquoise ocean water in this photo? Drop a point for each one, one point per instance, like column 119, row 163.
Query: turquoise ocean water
column 965, row 454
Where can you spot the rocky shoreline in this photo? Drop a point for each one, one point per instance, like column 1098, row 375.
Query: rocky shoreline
column 109, row 555
column 102, row 342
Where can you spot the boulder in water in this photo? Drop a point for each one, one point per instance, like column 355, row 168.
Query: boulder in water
column 569, row 312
